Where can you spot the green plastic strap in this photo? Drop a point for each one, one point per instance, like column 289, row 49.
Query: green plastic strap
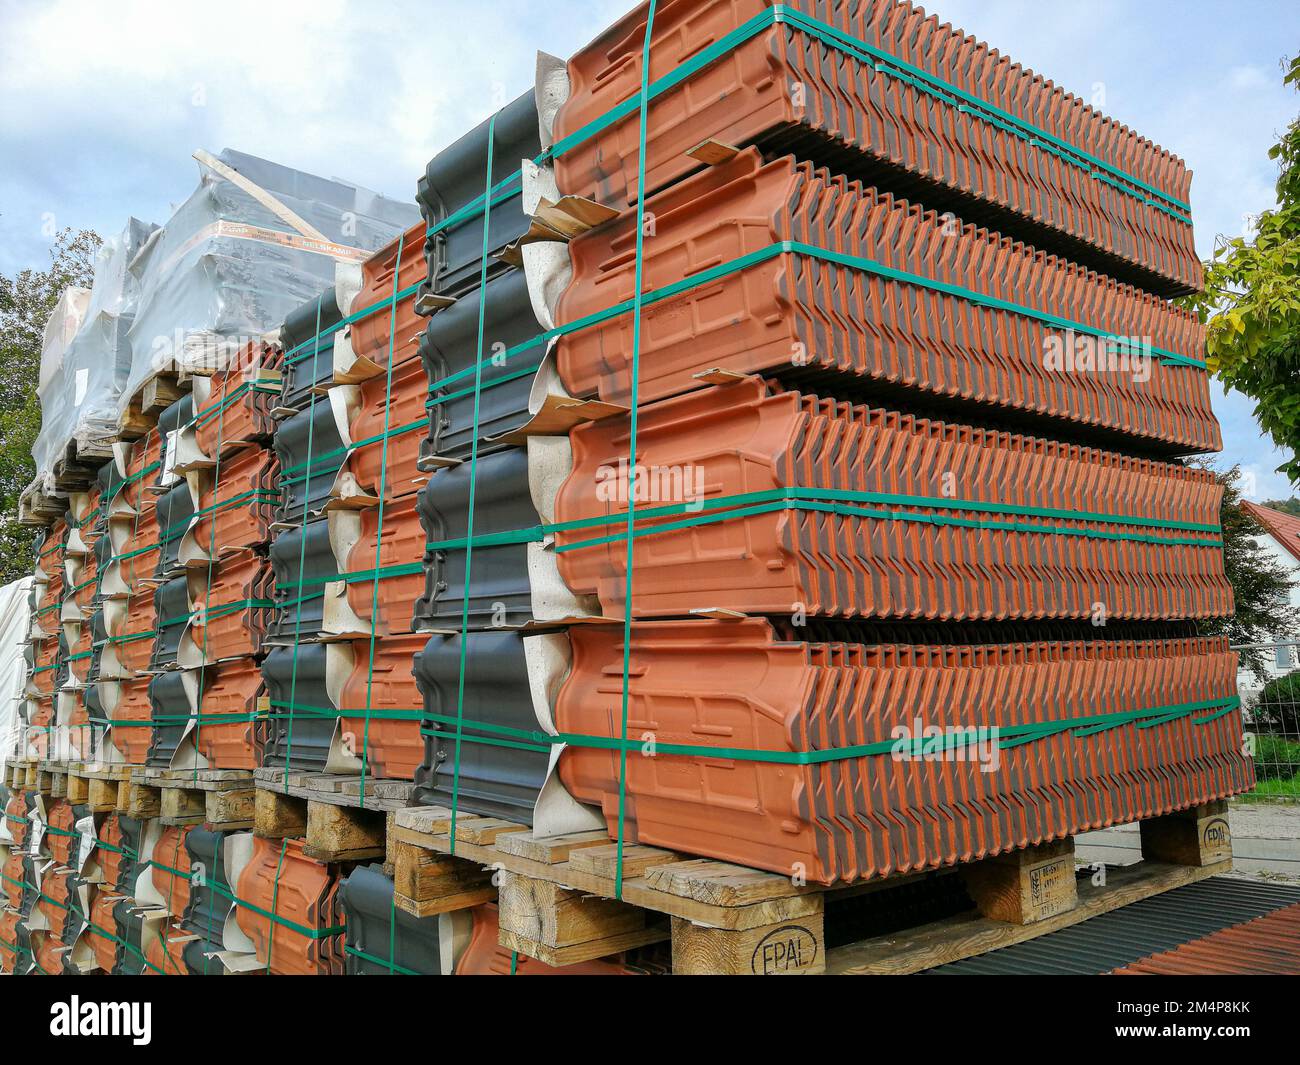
column 379, row 521
column 473, row 470
column 638, row 301
column 240, row 605
column 340, row 452
column 227, row 401
column 1009, row 736
column 380, row 714
column 783, row 247
column 275, row 918
column 302, row 561
column 256, row 495
column 293, row 356
column 822, row 500
column 388, row 963
column 131, row 637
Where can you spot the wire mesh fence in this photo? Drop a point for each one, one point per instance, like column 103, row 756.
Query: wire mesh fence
column 1272, row 715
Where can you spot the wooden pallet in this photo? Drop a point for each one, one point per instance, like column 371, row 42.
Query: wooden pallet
column 222, row 799
column 557, row 897
column 36, row 507
column 338, row 818
column 155, row 394
column 96, row 786
column 78, row 466
column 52, row 779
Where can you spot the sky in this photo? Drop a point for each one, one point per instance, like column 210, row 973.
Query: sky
column 103, row 104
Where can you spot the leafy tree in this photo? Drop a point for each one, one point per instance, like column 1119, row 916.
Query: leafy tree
column 1287, row 506
column 1252, row 304
column 1279, row 704
column 1261, row 585
column 26, row 300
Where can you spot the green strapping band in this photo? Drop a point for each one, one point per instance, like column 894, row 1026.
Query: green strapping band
column 333, row 711
column 388, row 963
column 226, row 609
column 1008, row 736
column 823, row 500
column 275, row 918
column 217, row 409
column 782, row 247
column 292, row 355
column 638, row 301
column 473, row 469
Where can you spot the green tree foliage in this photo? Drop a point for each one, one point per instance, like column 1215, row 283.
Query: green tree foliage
column 1261, row 586
column 26, row 300
column 1252, row 304
column 1279, row 705
column 1286, row 506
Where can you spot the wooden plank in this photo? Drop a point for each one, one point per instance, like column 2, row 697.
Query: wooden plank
column 580, row 952
column 713, row 152
column 969, row 934
column 483, row 831
column 635, row 890
column 722, row 883
column 637, row 860
column 549, row 851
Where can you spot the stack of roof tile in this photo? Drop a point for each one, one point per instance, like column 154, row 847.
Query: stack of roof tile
column 347, row 519
column 909, row 387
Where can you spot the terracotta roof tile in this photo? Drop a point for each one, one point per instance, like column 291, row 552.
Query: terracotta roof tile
column 1283, row 527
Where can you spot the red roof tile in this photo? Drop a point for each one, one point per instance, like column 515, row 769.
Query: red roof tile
column 1283, row 527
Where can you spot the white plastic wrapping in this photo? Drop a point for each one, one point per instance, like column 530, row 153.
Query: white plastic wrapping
column 15, row 621
column 82, row 375
column 254, row 241
column 60, row 330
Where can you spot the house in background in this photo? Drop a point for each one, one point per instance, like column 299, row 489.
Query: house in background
column 1281, row 540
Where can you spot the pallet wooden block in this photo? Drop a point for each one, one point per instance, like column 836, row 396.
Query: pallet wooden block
column 279, row 816
column 1198, row 836
column 180, row 806
column 791, row 949
column 78, row 789
column 561, row 926
column 426, row 883
column 101, row 794
column 138, row 800
column 1024, row 886
column 343, row 833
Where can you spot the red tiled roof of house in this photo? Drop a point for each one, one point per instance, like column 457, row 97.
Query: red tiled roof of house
column 1284, row 528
